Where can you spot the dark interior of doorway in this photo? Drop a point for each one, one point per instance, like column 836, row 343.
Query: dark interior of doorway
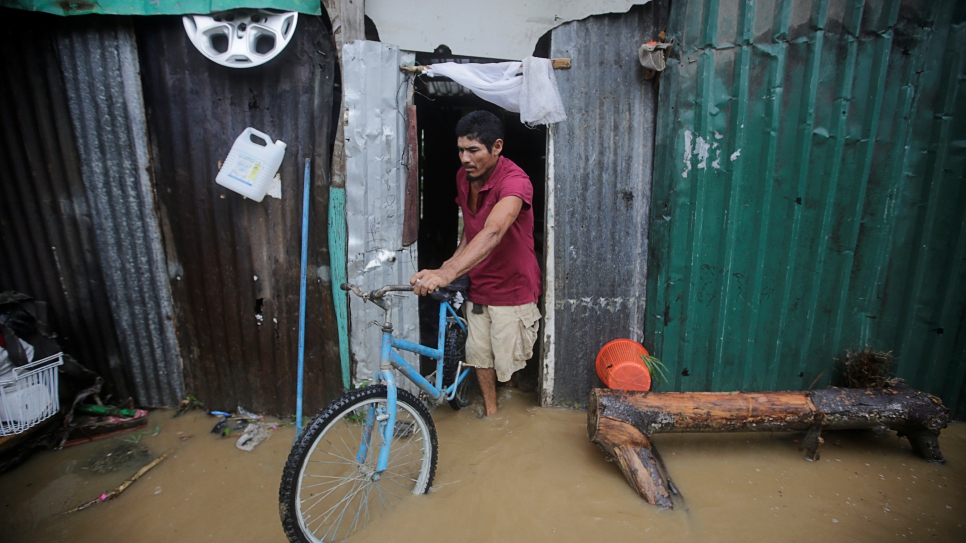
column 440, row 103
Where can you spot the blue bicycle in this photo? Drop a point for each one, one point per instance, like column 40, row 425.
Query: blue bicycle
column 372, row 446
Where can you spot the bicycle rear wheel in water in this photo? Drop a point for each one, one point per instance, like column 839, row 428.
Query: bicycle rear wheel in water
column 328, row 492
column 455, row 347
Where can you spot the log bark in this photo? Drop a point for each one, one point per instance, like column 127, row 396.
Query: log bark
column 621, row 422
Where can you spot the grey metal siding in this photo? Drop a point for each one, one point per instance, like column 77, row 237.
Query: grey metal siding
column 598, row 196
column 100, row 67
column 48, row 244
column 376, row 171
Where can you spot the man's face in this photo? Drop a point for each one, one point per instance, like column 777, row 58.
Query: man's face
column 476, row 158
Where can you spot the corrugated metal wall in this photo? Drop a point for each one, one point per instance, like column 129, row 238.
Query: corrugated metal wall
column 234, row 263
column 598, row 197
column 809, row 193
column 376, row 95
column 48, row 226
column 100, row 66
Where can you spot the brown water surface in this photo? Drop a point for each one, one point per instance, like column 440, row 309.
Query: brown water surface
column 528, row 474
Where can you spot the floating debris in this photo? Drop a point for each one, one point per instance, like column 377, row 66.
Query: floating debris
column 118, row 457
column 117, row 491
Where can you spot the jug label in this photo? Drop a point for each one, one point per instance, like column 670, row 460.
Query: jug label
column 245, row 169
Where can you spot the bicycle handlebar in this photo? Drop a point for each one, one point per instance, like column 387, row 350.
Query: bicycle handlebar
column 375, row 294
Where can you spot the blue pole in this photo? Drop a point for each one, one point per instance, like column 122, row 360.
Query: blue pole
column 305, row 258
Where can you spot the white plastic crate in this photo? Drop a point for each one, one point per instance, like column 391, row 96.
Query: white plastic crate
column 29, row 395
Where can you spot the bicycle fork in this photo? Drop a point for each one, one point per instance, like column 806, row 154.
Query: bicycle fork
column 380, row 420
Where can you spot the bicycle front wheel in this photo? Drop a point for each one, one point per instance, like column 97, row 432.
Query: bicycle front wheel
column 330, row 486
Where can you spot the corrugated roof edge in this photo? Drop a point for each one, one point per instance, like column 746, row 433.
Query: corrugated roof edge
column 157, row 7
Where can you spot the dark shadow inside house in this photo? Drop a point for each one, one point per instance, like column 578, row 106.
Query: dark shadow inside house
column 440, row 103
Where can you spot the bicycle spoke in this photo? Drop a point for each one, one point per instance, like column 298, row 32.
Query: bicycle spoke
column 418, row 449
column 330, row 482
column 347, row 500
column 407, row 488
column 362, row 506
column 324, row 495
column 380, row 489
column 324, row 516
column 343, row 458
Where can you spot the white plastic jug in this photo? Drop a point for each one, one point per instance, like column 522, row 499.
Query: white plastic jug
column 250, row 166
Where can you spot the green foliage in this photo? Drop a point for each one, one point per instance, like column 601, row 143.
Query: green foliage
column 136, row 438
column 656, row 368
column 188, row 404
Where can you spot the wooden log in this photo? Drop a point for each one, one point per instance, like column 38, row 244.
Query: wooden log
column 632, row 451
column 912, row 414
column 621, row 422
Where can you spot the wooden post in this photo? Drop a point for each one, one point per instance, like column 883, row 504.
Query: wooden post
column 410, row 233
column 348, row 23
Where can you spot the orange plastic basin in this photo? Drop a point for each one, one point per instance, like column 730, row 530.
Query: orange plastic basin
column 619, row 366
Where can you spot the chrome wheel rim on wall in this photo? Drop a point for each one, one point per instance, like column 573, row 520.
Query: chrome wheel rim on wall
column 241, row 38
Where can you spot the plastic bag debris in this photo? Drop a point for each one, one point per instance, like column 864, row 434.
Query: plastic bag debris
column 255, row 433
column 246, row 414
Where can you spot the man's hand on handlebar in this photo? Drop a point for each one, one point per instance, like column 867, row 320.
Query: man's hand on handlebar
column 428, row 281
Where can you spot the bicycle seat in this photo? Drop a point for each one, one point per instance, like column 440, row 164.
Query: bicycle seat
column 447, row 293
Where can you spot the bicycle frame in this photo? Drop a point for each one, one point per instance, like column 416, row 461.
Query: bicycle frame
column 390, row 359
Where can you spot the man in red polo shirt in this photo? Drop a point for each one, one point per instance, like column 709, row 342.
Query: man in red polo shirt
column 497, row 251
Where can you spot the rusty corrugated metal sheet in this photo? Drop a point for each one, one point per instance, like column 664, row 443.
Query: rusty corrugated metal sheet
column 598, row 197
column 234, row 263
column 376, row 95
column 810, row 194
column 100, row 67
column 48, row 228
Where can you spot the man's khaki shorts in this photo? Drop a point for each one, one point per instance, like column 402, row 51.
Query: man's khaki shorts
column 502, row 337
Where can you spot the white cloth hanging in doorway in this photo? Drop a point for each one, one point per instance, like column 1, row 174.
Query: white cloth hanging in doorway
column 528, row 88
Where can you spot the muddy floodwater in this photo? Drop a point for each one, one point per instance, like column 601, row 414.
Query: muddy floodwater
column 528, row 474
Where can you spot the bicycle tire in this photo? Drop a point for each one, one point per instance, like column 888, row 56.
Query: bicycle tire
column 322, row 468
column 455, row 349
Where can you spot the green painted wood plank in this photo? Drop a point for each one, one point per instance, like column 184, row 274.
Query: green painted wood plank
column 337, row 268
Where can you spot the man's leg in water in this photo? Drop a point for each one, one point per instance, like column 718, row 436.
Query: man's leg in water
column 487, row 379
column 479, row 354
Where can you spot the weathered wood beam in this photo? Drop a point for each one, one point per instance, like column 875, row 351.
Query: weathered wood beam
column 353, row 15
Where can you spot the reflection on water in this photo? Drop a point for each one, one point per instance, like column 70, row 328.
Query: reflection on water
column 529, row 474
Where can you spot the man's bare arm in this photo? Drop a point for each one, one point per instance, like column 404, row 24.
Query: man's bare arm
column 468, row 255
column 459, row 248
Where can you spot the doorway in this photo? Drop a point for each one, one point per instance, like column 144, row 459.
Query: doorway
column 440, row 103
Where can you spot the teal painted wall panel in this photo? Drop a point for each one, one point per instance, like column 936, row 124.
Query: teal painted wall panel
column 809, row 193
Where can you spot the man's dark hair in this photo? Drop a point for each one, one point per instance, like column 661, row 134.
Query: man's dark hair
column 481, row 126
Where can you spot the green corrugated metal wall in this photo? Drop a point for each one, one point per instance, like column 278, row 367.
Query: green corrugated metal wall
column 809, row 193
